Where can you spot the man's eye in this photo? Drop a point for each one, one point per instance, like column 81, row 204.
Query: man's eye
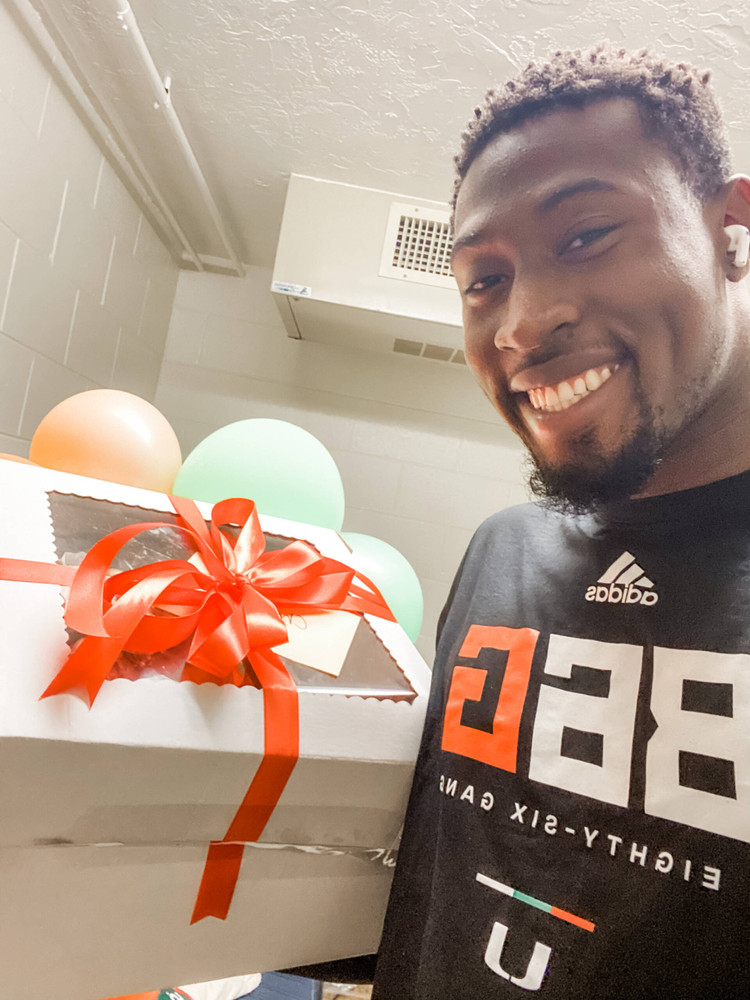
column 484, row 284
column 587, row 237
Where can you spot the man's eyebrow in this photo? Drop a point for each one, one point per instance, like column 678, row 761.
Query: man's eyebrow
column 577, row 187
column 549, row 203
column 465, row 241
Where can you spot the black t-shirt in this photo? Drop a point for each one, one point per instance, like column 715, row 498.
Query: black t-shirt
column 580, row 815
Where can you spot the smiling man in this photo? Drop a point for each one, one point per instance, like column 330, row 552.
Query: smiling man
column 580, row 818
column 587, row 255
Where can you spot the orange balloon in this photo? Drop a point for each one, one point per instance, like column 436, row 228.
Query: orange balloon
column 109, row 434
column 15, row 458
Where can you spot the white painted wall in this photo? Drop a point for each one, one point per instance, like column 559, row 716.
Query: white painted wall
column 422, row 455
column 86, row 287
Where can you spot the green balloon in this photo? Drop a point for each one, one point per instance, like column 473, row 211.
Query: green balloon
column 393, row 575
column 282, row 467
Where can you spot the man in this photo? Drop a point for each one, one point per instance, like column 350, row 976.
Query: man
column 580, row 816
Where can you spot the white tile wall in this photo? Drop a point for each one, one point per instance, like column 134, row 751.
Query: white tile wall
column 136, row 368
column 24, row 87
column 422, row 455
column 31, row 188
column 92, row 344
column 15, row 370
column 86, row 288
column 50, row 383
column 39, row 311
column 9, row 244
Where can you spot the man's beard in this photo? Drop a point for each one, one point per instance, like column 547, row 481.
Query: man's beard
column 582, row 487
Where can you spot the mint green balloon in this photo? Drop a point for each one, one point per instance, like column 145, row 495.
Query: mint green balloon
column 393, row 575
column 282, row 467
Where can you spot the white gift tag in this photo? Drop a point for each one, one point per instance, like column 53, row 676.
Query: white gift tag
column 320, row 640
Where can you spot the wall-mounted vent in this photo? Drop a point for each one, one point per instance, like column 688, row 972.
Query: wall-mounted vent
column 418, row 245
column 334, row 282
column 437, row 352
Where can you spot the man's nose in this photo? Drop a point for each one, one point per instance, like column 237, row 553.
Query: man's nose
column 535, row 308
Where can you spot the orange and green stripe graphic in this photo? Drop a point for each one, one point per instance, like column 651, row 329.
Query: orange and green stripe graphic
column 554, row 911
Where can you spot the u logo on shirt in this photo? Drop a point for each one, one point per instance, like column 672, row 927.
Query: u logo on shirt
column 535, row 970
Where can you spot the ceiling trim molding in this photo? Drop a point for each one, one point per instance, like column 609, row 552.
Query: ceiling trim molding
column 40, row 24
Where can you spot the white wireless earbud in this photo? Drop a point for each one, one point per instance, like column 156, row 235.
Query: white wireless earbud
column 739, row 244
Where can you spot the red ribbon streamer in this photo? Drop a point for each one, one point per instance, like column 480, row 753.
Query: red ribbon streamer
column 28, row 571
column 231, row 604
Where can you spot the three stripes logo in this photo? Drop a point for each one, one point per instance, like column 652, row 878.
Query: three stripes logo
column 623, row 583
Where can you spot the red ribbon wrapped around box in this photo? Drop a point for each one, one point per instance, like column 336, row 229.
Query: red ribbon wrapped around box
column 230, row 598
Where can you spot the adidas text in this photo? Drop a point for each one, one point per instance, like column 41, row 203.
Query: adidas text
column 614, row 594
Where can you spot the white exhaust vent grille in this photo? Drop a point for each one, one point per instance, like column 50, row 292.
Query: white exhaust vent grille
column 418, row 245
column 437, row 352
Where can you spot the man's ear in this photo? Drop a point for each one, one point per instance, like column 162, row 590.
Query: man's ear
column 736, row 212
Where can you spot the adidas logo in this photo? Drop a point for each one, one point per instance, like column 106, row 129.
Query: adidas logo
column 623, row 583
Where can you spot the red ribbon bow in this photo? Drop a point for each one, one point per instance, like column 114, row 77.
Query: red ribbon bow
column 231, row 603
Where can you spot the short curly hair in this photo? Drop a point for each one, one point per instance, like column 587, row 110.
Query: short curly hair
column 675, row 102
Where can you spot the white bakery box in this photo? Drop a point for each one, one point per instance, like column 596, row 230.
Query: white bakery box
column 106, row 812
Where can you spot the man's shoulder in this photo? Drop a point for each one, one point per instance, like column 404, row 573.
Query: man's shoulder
column 521, row 517
column 503, row 537
column 522, row 536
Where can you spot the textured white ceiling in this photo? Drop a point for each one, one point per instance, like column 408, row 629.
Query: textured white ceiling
column 374, row 94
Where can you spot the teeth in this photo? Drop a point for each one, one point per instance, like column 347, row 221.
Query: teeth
column 567, row 393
